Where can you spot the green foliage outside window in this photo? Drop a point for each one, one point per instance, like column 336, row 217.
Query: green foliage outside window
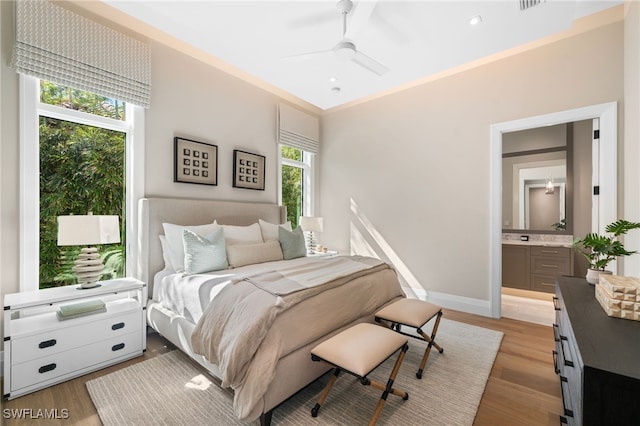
column 82, row 169
column 292, row 181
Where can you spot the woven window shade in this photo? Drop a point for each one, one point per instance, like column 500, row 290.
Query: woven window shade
column 298, row 129
column 55, row 44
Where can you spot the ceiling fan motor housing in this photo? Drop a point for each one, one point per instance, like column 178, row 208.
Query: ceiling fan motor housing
column 345, row 50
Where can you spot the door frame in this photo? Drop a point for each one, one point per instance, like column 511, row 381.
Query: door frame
column 605, row 153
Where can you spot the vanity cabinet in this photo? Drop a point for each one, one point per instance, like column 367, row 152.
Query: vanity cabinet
column 597, row 359
column 532, row 267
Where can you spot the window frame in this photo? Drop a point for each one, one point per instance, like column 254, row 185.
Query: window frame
column 308, row 178
column 30, row 111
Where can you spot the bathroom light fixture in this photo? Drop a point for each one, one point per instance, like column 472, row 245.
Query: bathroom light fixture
column 550, row 189
column 88, row 230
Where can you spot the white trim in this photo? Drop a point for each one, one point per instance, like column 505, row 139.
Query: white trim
column 30, row 111
column 449, row 301
column 607, row 206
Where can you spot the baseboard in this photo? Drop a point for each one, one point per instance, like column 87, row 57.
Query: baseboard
column 449, row 301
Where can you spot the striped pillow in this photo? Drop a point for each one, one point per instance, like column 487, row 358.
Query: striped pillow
column 204, row 254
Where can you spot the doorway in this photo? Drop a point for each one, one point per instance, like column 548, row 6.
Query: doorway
column 604, row 208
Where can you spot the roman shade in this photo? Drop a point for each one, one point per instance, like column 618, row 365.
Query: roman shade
column 298, row 129
column 56, row 44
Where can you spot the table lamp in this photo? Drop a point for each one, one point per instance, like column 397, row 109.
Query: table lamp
column 311, row 224
column 88, row 230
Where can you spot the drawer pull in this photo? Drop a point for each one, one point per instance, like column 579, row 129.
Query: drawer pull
column 544, row 265
column 549, row 251
column 117, row 326
column 46, row 368
column 556, row 303
column 117, row 347
column 547, row 284
column 567, row 411
column 563, row 420
column 555, row 362
column 556, row 333
column 567, row 362
column 47, row 343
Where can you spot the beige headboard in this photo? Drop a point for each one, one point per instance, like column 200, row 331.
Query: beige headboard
column 182, row 211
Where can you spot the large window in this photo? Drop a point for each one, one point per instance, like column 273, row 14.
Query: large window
column 76, row 161
column 296, row 177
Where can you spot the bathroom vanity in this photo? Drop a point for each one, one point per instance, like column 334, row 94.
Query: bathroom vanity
column 535, row 266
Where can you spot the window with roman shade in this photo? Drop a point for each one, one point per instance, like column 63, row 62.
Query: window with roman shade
column 298, row 129
column 56, row 44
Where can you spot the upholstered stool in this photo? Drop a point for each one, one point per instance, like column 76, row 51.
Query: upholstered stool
column 359, row 350
column 416, row 314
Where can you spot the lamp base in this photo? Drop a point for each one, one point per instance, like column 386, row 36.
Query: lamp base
column 88, row 267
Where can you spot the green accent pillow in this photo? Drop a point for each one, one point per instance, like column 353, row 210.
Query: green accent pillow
column 204, row 254
column 292, row 243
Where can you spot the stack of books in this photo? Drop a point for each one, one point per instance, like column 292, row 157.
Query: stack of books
column 619, row 296
column 81, row 309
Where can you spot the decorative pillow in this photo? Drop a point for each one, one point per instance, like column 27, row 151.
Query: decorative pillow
column 248, row 254
column 270, row 230
column 165, row 253
column 292, row 243
column 173, row 234
column 242, row 234
column 204, row 254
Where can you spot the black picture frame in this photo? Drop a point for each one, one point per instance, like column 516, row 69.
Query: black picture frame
column 195, row 162
column 248, row 170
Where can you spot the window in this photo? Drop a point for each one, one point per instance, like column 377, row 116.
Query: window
column 77, row 157
column 296, row 174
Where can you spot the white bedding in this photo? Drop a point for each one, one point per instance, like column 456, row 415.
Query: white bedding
column 189, row 295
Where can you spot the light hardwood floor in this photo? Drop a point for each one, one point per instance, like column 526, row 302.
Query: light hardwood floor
column 522, row 388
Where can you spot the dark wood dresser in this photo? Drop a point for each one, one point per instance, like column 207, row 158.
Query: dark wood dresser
column 597, row 358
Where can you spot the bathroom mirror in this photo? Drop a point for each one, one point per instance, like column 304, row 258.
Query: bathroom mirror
column 536, row 188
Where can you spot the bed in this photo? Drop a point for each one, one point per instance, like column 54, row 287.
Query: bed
column 186, row 308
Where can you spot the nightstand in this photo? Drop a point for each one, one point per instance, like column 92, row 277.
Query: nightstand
column 40, row 350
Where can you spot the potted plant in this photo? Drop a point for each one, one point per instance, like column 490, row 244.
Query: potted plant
column 602, row 249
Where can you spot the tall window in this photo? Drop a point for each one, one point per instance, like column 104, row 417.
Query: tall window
column 81, row 166
column 296, row 177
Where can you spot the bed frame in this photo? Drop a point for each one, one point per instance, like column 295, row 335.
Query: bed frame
column 152, row 213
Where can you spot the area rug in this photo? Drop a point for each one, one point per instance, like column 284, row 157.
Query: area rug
column 171, row 390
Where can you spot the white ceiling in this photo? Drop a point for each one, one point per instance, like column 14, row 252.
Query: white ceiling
column 413, row 39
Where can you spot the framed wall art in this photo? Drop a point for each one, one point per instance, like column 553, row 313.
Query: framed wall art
column 248, row 170
column 195, row 162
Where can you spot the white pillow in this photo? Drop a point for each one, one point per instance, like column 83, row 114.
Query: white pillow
column 270, row 230
column 165, row 253
column 248, row 254
column 242, row 234
column 173, row 234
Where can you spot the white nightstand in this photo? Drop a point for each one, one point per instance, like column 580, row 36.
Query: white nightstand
column 40, row 350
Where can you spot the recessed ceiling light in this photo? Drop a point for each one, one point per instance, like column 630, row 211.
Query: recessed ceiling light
column 333, row 79
column 335, row 90
column 475, row 20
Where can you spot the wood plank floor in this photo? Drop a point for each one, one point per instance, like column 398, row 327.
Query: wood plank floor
column 522, row 388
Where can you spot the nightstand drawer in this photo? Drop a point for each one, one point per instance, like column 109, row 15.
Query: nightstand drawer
column 56, row 365
column 83, row 333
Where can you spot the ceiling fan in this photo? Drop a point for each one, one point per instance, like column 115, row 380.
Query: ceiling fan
column 346, row 49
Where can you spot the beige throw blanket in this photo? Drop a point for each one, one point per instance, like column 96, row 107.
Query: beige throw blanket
column 232, row 330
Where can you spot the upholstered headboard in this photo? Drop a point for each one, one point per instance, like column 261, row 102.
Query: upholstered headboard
column 153, row 212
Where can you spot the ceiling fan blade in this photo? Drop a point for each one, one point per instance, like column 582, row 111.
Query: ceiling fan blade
column 304, row 56
column 369, row 63
column 359, row 17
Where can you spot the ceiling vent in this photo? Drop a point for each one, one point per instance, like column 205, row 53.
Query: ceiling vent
column 528, row 4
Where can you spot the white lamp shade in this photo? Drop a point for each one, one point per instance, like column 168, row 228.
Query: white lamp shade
column 311, row 223
column 81, row 230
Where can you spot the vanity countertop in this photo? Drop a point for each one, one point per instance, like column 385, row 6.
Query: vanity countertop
column 538, row 243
